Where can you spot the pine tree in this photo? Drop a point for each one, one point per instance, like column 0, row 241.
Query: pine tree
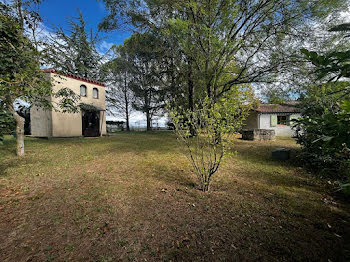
column 74, row 51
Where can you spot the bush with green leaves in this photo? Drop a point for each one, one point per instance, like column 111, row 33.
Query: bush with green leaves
column 214, row 122
column 7, row 123
column 324, row 130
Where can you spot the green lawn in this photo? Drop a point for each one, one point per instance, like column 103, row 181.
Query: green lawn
column 133, row 197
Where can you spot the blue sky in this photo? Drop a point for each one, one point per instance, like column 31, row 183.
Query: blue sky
column 57, row 12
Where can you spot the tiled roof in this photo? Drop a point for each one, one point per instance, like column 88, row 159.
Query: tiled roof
column 287, row 107
column 50, row 70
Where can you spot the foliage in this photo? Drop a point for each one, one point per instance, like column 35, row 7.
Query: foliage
column 145, row 66
column 223, row 39
column 332, row 65
column 324, row 130
column 209, row 47
column 7, row 124
column 20, row 73
column 219, row 44
column 325, row 127
column 74, row 52
column 119, row 95
column 214, row 124
column 275, row 95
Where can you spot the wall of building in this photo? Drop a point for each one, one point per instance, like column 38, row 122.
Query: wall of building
column 281, row 130
column 70, row 124
column 252, row 121
column 40, row 121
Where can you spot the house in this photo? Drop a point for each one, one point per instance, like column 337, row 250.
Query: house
column 90, row 121
column 278, row 117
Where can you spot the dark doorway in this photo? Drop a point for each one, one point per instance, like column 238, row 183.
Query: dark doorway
column 91, row 124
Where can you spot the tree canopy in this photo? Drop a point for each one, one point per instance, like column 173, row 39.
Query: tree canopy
column 74, row 51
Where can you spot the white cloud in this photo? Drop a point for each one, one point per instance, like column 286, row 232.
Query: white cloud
column 104, row 47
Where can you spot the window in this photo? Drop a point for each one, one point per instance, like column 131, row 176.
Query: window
column 95, row 93
column 82, row 90
column 282, row 120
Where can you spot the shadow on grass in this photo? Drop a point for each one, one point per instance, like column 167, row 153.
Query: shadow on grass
column 256, row 163
column 88, row 213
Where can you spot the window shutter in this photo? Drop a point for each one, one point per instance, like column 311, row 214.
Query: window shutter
column 273, row 120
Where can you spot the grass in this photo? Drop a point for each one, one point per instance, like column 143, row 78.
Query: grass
column 133, row 197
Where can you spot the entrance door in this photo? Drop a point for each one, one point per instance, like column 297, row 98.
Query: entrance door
column 91, row 124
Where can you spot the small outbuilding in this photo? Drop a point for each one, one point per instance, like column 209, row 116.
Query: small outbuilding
column 90, row 121
column 277, row 117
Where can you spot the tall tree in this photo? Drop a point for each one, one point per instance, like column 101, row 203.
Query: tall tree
column 20, row 74
column 119, row 95
column 325, row 124
column 74, row 51
column 243, row 41
column 145, row 66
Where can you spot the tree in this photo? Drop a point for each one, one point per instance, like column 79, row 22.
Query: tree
column 323, row 130
column 7, row 124
column 223, row 44
column 325, row 124
column 145, row 67
column 119, row 95
column 275, row 95
column 20, row 74
column 245, row 41
column 74, row 52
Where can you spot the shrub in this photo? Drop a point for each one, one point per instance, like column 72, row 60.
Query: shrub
column 213, row 123
column 324, row 131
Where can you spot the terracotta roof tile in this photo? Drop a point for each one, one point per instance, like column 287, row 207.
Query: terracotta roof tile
column 287, row 107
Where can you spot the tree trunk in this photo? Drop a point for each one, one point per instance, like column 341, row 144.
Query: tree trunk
column 127, row 122
column 19, row 127
column 126, row 99
column 148, row 117
column 190, row 86
column 205, row 185
column 147, row 107
column 20, row 13
column 19, row 132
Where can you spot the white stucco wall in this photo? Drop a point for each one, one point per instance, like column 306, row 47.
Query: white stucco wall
column 40, row 122
column 280, row 130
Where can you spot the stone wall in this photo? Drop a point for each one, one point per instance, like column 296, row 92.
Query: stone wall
column 258, row 134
